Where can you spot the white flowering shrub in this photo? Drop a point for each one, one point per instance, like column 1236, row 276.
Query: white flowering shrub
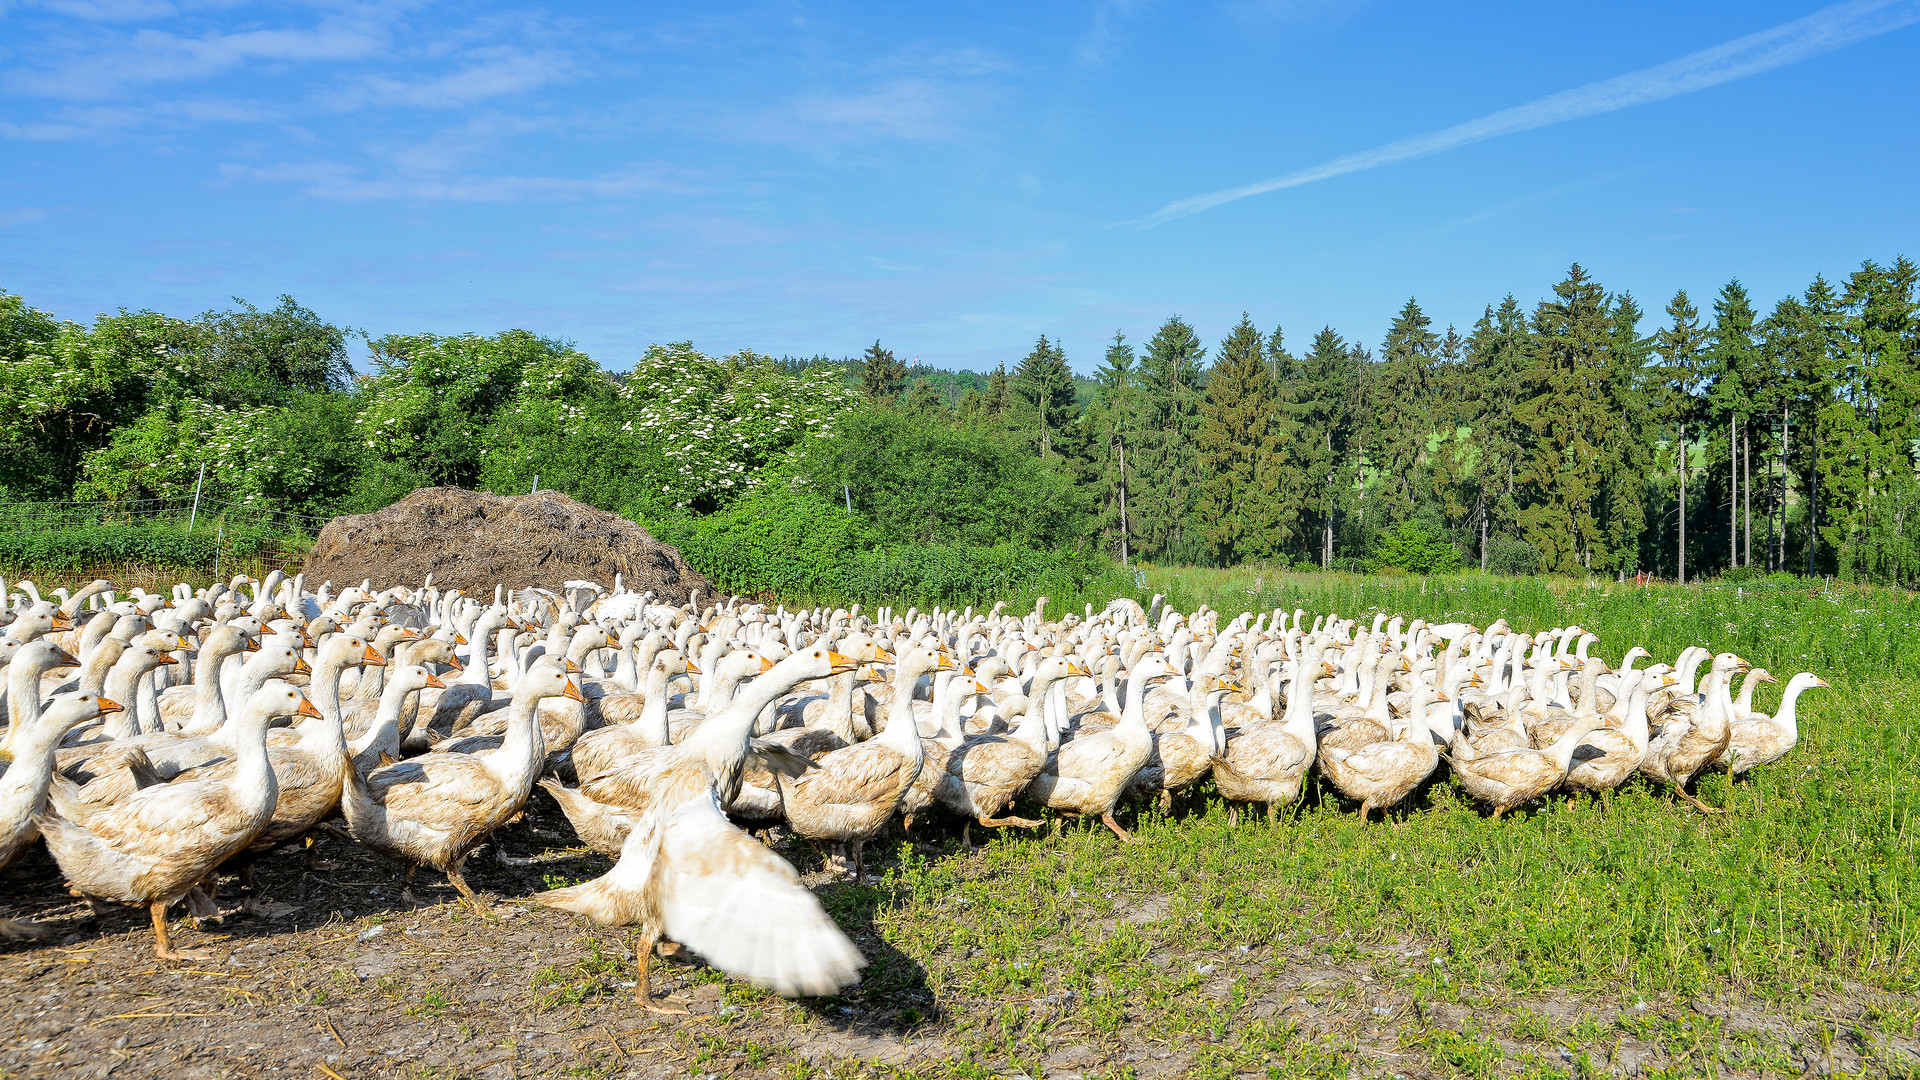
column 720, row 423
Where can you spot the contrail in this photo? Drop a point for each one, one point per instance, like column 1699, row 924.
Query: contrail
column 1821, row 32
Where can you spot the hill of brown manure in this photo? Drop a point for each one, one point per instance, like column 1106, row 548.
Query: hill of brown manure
column 472, row 540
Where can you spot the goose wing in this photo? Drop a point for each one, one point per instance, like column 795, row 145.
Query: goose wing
column 728, row 898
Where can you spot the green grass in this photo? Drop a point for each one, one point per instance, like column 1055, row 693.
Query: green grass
column 1806, row 887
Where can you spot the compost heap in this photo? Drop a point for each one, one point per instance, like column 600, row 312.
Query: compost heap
column 470, row 540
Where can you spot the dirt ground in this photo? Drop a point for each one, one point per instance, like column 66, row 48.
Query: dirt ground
column 327, row 973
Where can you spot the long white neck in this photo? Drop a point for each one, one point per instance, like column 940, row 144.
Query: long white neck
column 651, row 724
column 1786, row 718
column 384, row 735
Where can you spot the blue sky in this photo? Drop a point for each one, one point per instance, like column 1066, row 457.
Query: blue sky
column 952, row 179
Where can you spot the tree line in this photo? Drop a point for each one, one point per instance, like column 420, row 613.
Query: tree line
column 1582, row 436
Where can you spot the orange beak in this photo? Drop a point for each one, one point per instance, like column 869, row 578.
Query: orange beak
column 454, row 663
column 571, row 667
column 373, row 659
column 300, row 666
column 169, row 660
column 107, row 705
column 306, row 708
column 61, row 623
column 459, row 638
column 408, row 633
column 841, row 663
column 693, row 667
column 433, row 681
column 572, row 691
column 766, row 664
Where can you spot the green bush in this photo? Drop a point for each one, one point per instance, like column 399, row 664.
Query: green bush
column 1513, row 558
column 1410, row 546
column 74, row 548
column 803, row 547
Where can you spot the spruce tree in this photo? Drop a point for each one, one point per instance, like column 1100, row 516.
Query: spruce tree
column 1239, row 452
column 1043, row 387
column 882, row 376
column 1730, row 366
column 1565, row 413
column 923, row 399
column 1402, row 405
column 997, row 396
column 1325, row 415
column 1169, row 418
column 1625, row 454
column 1496, row 356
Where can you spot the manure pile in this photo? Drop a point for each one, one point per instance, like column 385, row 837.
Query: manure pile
column 471, row 540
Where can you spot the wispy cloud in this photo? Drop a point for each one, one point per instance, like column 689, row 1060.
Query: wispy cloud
column 335, row 181
column 156, row 56
column 1822, row 32
column 491, row 73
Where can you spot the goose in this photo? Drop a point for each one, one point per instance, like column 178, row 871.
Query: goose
column 852, row 792
column 1182, row 758
column 1609, row 756
column 1505, row 779
column 1743, row 705
column 1268, row 763
column 1383, row 774
column 380, row 743
column 434, row 809
column 155, row 846
column 941, row 731
column 24, row 782
column 1087, row 774
column 1765, row 739
column 1690, row 739
column 31, row 661
column 982, row 775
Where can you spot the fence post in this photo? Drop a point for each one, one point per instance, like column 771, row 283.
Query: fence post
column 219, row 537
column 536, row 485
column 194, row 514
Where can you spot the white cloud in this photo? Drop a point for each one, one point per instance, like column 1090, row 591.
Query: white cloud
column 1822, row 32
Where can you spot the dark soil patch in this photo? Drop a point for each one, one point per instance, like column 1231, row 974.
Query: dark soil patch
column 472, row 540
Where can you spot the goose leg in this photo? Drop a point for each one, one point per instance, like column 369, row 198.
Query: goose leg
column 859, row 868
column 459, row 881
column 162, row 946
column 1233, row 815
column 643, row 982
column 1166, row 802
column 1125, row 837
column 1273, row 815
column 1695, row 801
column 1016, row 822
column 406, row 887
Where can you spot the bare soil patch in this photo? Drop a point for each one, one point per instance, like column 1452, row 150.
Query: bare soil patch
column 325, row 972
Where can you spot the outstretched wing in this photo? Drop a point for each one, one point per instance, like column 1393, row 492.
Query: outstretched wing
column 728, row 898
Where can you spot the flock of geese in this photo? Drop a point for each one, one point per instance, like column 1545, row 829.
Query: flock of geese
column 157, row 742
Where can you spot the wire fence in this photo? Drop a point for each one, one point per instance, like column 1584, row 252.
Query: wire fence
column 190, row 513
column 152, row 542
